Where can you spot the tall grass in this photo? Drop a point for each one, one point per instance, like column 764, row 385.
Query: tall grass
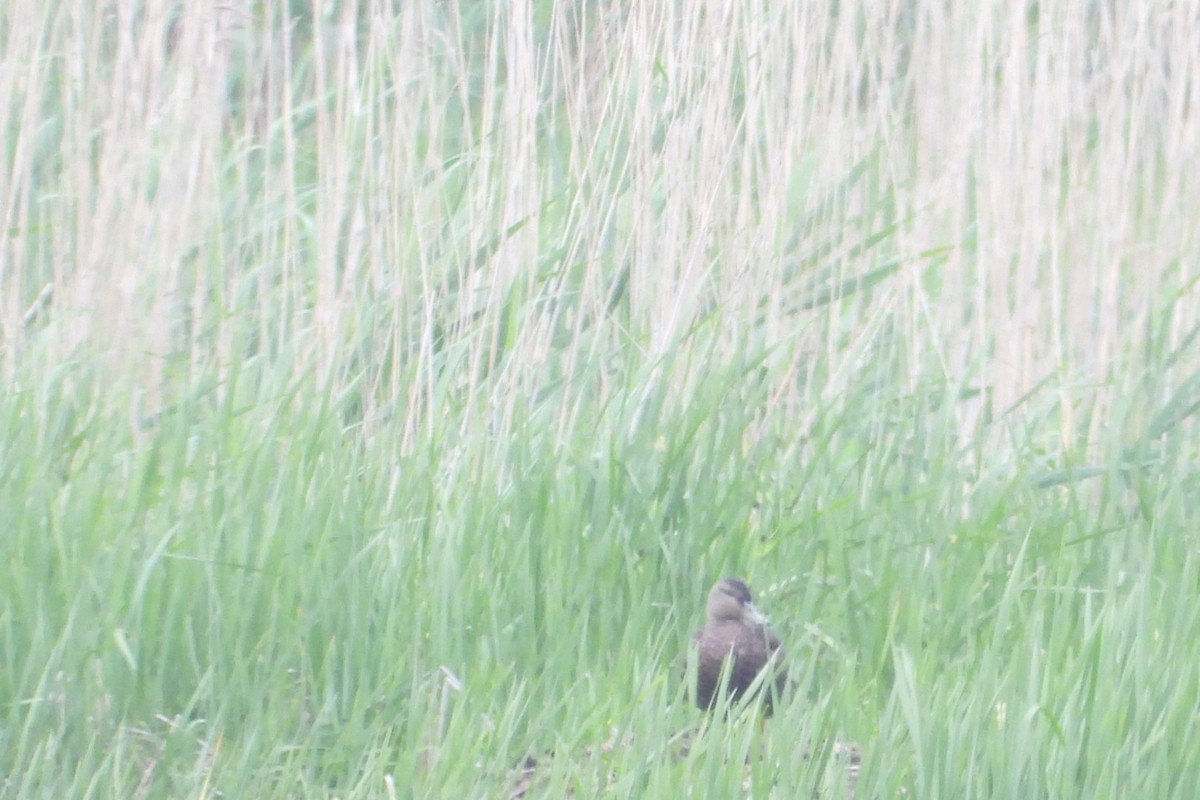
column 386, row 383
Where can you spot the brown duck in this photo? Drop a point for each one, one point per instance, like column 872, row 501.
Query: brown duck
column 735, row 633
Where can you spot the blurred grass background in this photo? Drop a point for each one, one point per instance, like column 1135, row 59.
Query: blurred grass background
column 384, row 384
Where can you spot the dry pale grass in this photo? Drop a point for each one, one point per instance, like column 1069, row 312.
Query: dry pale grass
column 435, row 200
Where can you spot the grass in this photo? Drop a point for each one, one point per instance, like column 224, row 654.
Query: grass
column 385, row 387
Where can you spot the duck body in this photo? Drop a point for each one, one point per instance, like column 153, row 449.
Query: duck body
column 736, row 645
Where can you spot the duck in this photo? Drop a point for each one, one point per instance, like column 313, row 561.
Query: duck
column 735, row 632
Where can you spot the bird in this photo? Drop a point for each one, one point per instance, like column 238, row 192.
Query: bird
column 736, row 646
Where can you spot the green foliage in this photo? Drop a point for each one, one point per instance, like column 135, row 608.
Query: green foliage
column 244, row 596
column 378, row 413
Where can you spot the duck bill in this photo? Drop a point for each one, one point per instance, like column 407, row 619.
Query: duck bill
column 752, row 615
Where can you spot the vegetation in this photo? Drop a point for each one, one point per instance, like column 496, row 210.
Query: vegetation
column 386, row 383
